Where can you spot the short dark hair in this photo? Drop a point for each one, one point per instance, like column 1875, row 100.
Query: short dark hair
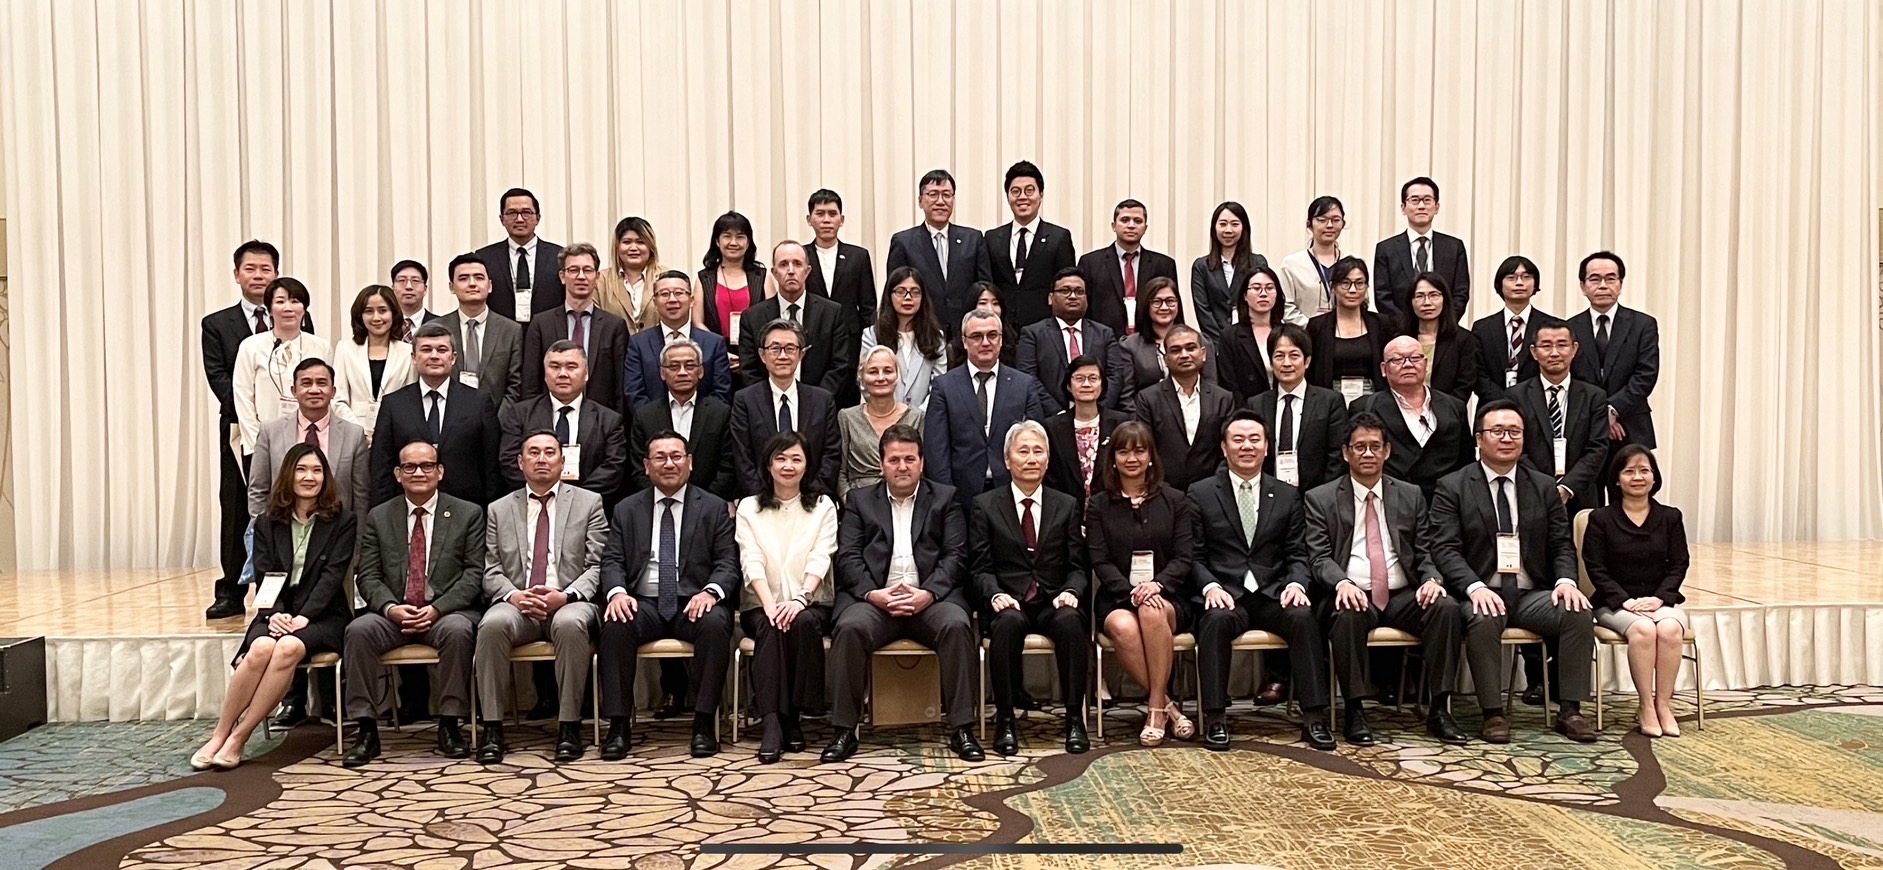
column 397, row 331
column 1131, row 433
column 1477, row 425
column 1408, row 186
column 564, row 345
column 296, row 290
column 824, row 196
column 519, row 191
column 541, row 430
column 1324, row 204
column 934, row 176
column 465, row 259
column 1509, row 268
column 1069, row 272
column 1184, row 327
column 424, row 275
column 1239, row 416
column 901, row 433
column 312, row 362
column 1554, row 324
column 434, row 329
column 1621, row 270
column 1364, row 420
column 1129, row 203
column 257, row 246
column 782, row 324
column 1296, row 335
column 671, row 435
column 672, row 274
column 1085, row 360
column 1620, row 461
column 1345, row 266
column 1023, row 169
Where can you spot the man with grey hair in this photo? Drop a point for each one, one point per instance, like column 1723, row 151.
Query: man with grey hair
column 594, row 443
column 1029, row 565
column 782, row 403
column 603, row 336
column 673, row 303
column 704, row 420
column 973, row 406
column 459, row 419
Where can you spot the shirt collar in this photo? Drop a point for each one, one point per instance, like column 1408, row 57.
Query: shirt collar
column 1413, row 236
column 554, row 491
column 481, row 318
column 994, row 369
column 1525, row 314
column 1300, row 391
column 1361, row 492
column 430, row 505
column 930, row 230
column 1237, row 480
column 902, row 502
column 249, row 309
column 1121, row 252
column 1544, row 379
column 1594, row 312
column 1018, row 495
column 692, row 401
column 444, row 389
column 557, row 404
column 1076, row 324
column 1032, row 228
column 568, row 307
column 301, row 422
column 528, row 246
column 1491, row 475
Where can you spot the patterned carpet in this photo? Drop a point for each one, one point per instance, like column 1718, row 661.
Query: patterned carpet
column 1778, row 778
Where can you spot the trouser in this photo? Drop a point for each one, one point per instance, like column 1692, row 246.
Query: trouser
column 710, row 635
column 787, row 666
column 1298, row 626
column 1534, row 611
column 232, row 497
column 1071, row 634
column 863, row 628
column 370, row 636
column 504, row 628
column 1438, row 628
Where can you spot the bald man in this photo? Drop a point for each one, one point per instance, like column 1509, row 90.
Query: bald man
column 826, row 330
column 1428, row 430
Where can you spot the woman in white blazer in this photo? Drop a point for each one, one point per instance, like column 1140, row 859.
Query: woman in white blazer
column 909, row 328
column 375, row 362
column 265, row 361
column 1304, row 273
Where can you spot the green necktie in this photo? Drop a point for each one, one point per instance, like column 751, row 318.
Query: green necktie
column 1245, row 505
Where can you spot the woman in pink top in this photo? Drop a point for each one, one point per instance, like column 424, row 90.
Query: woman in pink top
column 733, row 279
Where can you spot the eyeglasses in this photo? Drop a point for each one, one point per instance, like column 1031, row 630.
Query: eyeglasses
column 938, row 195
column 1602, row 280
column 1357, row 284
column 781, row 349
column 581, row 271
column 418, row 467
column 1503, row 433
column 905, row 293
column 981, row 337
column 671, row 295
column 519, row 213
column 667, row 458
column 1397, row 361
column 1368, row 449
column 1421, row 200
column 681, row 366
column 1329, row 221
column 1069, row 291
column 1164, row 303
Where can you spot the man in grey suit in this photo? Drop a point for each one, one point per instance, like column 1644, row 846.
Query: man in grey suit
column 948, row 278
column 544, row 547
column 491, row 361
column 593, row 443
column 421, row 574
column 344, row 443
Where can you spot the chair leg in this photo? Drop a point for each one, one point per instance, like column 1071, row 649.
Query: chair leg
column 393, row 678
column 1601, row 681
column 1699, row 687
column 595, row 693
column 980, row 709
column 339, row 721
column 1098, row 670
column 474, row 713
column 736, row 707
column 1510, row 682
column 1549, row 716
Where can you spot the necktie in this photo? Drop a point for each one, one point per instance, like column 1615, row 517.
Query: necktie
column 1601, row 336
column 473, row 348
column 1072, row 343
column 674, row 335
column 980, row 394
column 1556, row 411
column 1019, row 255
column 1506, row 525
column 579, row 334
column 668, row 601
column 791, row 311
column 1424, row 263
column 784, row 414
column 1245, row 505
column 539, row 551
column 433, row 426
column 1031, row 532
column 1376, row 552
column 1131, row 275
column 1516, row 341
column 562, row 423
column 261, row 321
column 941, row 253
column 411, row 328
column 1285, row 439
column 523, row 269
column 313, row 435
column 415, row 561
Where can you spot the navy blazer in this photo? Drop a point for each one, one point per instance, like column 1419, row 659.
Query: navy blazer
column 642, row 374
column 967, row 263
column 1627, row 372
column 1043, row 355
column 958, row 451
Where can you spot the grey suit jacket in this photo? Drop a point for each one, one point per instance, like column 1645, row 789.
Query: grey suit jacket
column 455, row 555
column 1331, row 522
column 581, row 534
column 346, row 457
column 500, row 368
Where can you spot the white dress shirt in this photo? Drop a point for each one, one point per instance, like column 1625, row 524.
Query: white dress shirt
column 930, row 231
column 902, row 538
column 1423, row 421
column 529, row 248
column 993, row 383
column 248, row 314
column 1412, row 244
column 682, row 414
column 1013, row 244
column 797, row 409
column 827, row 262
column 575, row 416
column 1191, row 404
column 1359, row 567
column 1526, row 314
column 444, row 398
column 1300, row 392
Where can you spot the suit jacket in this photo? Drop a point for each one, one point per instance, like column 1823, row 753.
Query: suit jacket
column 1062, row 466
column 1186, row 461
column 866, row 540
column 346, row 457
column 1243, row 365
column 1002, row 562
column 607, row 355
column 1450, row 448
column 1321, row 331
column 320, row 591
column 1216, row 301
column 854, row 290
column 1043, row 355
column 1461, row 529
column 1494, row 351
column 500, row 367
column 1322, row 432
column 353, row 398
column 1394, row 270
column 598, row 430
column 1049, row 249
column 545, row 278
column 223, row 332
column 1105, row 282
column 755, row 421
column 1141, row 368
column 471, row 437
column 581, row 533
column 1627, row 371
column 1455, row 363
column 967, row 263
column 1278, row 554
column 1585, row 435
column 960, row 450
column 713, row 470
column 830, row 357
column 708, row 552
column 642, row 375
column 709, row 297
column 454, row 570
column 1330, row 525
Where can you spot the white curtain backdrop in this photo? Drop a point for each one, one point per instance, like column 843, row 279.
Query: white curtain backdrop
column 1727, row 149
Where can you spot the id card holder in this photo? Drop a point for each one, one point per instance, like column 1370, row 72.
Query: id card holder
column 1510, row 378
column 524, row 298
column 1509, row 559
column 1559, row 447
column 571, row 462
column 1142, row 567
column 732, row 326
column 1287, row 469
column 1352, row 388
column 270, row 590
column 468, row 379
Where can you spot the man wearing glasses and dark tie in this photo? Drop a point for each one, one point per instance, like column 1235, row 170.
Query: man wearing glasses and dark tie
column 782, row 403
column 523, row 267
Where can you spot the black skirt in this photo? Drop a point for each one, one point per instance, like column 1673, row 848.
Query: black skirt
column 320, row 636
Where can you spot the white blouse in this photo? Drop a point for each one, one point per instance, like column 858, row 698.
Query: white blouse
column 780, row 545
column 264, row 379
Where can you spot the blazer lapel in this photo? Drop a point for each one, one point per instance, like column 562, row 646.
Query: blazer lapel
column 1344, row 520
column 443, row 526
column 1226, row 496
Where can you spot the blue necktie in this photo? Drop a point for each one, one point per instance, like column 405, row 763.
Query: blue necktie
column 669, row 600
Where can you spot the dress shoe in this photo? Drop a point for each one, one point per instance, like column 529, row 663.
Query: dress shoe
column 365, row 745
column 1359, row 733
column 1443, row 727
column 1575, row 727
column 415, row 714
column 794, row 733
column 843, row 744
column 704, row 744
column 1388, row 697
column 1496, row 729
column 224, row 608
column 568, row 741
column 451, row 738
column 620, row 737
column 491, row 749
column 1216, row 735
column 1533, row 696
column 291, row 715
column 771, row 747
column 1007, row 737
column 1076, row 741
column 1272, row 693
column 1317, row 734
column 546, row 708
column 965, row 746
column 669, row 707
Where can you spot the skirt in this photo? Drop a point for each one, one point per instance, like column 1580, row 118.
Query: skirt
column 1186, row 617
column 320, row 636
column 1618, row 621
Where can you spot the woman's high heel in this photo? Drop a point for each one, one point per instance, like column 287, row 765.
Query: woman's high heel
column 1180, row 725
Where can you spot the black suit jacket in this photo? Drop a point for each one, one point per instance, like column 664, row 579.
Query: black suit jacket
column 854, row 289
column 471, row 438
column 1215, row 301
column 1461, row 529
column 607, row 354
column 1002, row 562
column 1321, row 329
column 830, row 356
column 1062, row 465
column 1317, row 445
column 709, row 297
column 1043, row 355
column 545, row 279
column 1278, row 555
column 1394, row 271
column 1627, row 371
column 1494, row 351
column 1330, row 524
column 1105, row 282
column 1585, row 434
column 967, row 263
column 1450, row 448
column 755, row 421
column 223, row 332
column 604, row 444
column 713, row 468
column 1242, row 367
column 1455, row 363
column 708, row 551
column 1186, row 461
column 320, row 592
column 1049, row 249
column 454, row 571
column 866, row 540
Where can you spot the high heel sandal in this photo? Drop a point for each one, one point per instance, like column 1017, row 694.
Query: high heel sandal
column 1151, row 735
column 1180, row 726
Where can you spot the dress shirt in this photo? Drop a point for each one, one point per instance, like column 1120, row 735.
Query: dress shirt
column 444, row 398
column 1412, row 240
column 412, row 519
column 248, row 315
column 1019, row 510
column 1249, row 582
column 530, row 249
column 464, row 330
column 671, row 335
column 535, row 509
column 575, row 416
column 1524, row 580
column 1421, row 431
column 1229, row 275
column 682, row 414
column 1065, row 341
column 797, row 408
column 993, row 384
column 1013, row 244
column 1191, row 404
column 1562, row 397
column 649, row 587
column 784, row 308
column 1526, row 314
column 320, row 428
column 930, row 231
column 902, row 538
column 569, row 312
column 1128, row 268
column 1359, row 568
column 1300, row 392
column 827, row 261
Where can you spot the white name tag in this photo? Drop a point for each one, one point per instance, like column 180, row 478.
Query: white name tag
column 1510, row 378
column 733, row 328
column 1131, row 313
column 571, row 461
column 1509, row 559
column 1560, row 447
column 468, row 379
column 270, row 590
column 1352, row 388
column 1142, row 567
column 288, row 406
column 524, row 298
column 1286, row 469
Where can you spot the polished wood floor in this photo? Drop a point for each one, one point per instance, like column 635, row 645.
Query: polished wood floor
column 146, row 603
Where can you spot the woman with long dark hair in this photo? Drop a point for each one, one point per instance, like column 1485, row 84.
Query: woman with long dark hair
column 906, row 324
column 1159, row 309
column 1214, row 275
column 1244, row 365
column 733, row 278
column 377, row 361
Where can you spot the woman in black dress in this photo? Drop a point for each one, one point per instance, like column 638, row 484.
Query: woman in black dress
column 1349, row 340
column 1635, row 551
column 1451, row 351
column 306, row 538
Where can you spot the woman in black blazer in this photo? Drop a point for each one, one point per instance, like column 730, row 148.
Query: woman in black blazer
column 1076, row 437
column 1451, row 351
column 1349, row 341
column 1211, row 290
column 1635, row 552
column 1139, row 535
column 1159, row 309
column 733, row 280
column 306, row 538
column 1244, row 364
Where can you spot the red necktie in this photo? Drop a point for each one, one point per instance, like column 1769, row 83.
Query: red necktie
column 1376, row 552
column 1516, row 341
column 415, row 561
column 580, row 333
column 313, row 435
column 539, row 553
column 261, row 322
column 1032, row 535
column 1072, row 341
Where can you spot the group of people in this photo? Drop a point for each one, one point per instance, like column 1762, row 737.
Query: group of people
column 1003, row 442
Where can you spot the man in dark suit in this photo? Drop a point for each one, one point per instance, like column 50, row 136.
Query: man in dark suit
column 465, row 429
column 671, row 570
column 1499, row 534
column 922, row 247
column 902, row 573
column 1026, row 254
column 1030, row 567
column 411, row 285
column 1504, row 338
column 594, row 443
column 1310, row 422
column 783, row 403
column 701, row 419
column 829, row 359
column 493, row 344
column 1403, row 257
column 1620, row 350
column 1569, row 417
column 1114, row 273
column 1252, row 572
column 1185, row 412
column 421, row 574
column 673, row 301
column 602, row 335
column 1047, row 346
column 1365, row 553
column 523, row 268
column 1428, row 429
column 971, row 408
column 840, row 272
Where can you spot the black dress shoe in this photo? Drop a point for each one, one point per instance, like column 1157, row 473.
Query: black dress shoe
column 1441, row 725
column 1272, row 693
column 1533, row 696
column 843, row 744
column 704, row 745
column 1359, row 733
column 415, row 714
column 794, row 733
column 546, row 708
column 1216, row 735
column 291, row 716
column 1006, row 737
column 620, row 737
column 669, row 707
column 568, row 741
column 965, row 746
column 451, row 738
column 365, row 745
column 224, row 608
column 490, row 750
column 1316, row 734
column 1076, row 742
column 1386, row 697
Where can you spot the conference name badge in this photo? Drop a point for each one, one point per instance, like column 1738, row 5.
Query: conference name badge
column 733, row 328
column 1352, row 388
column 524, row 298
column 1510, row 378
column 468, row 379
column 571, row 461
column 1509, row 560
column 289, row 406
column 1143, row 567
column 1287, row 468
column 270, row 591
column 1560, row 448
